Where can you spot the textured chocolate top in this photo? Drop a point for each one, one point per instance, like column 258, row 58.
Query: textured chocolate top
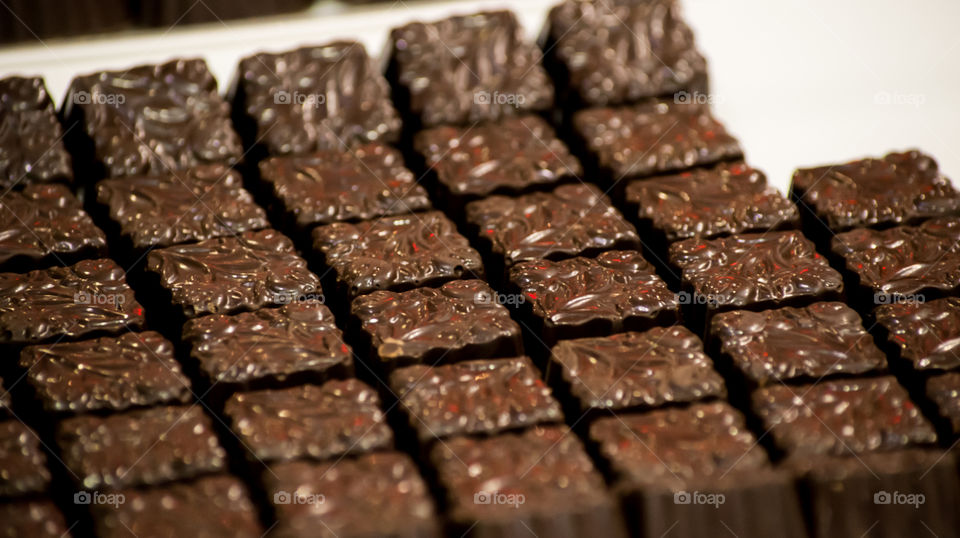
column 900, row 187
column 152, row 119
column 227, row 274
column 469, row 68
column 410, row 325
column 842, row 416
column 789, row 343
column 397, row 252
column 331, row 186
column 143, row 447
column 638, row 369
column 23, row 465
column 377, row 494
column 655, row 137
column 944, row 390
column 193, row 205
column 215, row 506
column 905, row 259
column 623, row 50
column 616, row 286
column 317, row 98
column 268, row 343
column 37, row 518
column 481, row 396
column 507, row 156
column 928, row 333
column 67, row 302
column 31, row 150
column 546, row 465
column 336, row 418
column 706, row 202
column 135, row 369
column 679, row 445
column 746, row 269
column 46, row 221
column 562, row 223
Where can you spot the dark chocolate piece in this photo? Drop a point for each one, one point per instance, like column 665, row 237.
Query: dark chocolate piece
column 898, row 188
column 466, row 69
column 579, row 297
column 456, row 321
column 193, row 205
column 904, row 261
column 401, row 252
column 540, row 481
column 110, row 373
column 944, row 391
column 142, row 447
column 569, row 221
column 23, row 465
column 638, row 369
column 332, row 186
column 269, row 345
column 46, row 225
column 379, row 494
column 31, row 150
column 707, row 202
column 654, row 137
column 926, row 333
column 37, row 518
column 38, row 20
column 229, row 274
column 616, row 51
column 339, row 417
column 316, row 98
column 214, row 506
column 474, row 397
column 842, row 416
column 789, row 344
column 152, row 120
column 82, row 300
column 510, row 156
column 170, row 13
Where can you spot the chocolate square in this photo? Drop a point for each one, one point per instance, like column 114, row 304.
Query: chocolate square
column 23, row 463
column 320, row 422
column 332, row 186
column 142, row 447
column 86, row 299
column 457, row 321
column 927, row 334
column 637, row 369
column 229, row 274
column 944, row 391
column 466, row 69
column 840, row 417
column 196, row 204
column 797, row 344
column 37, row 518
column 315, row 98
column 31, row 150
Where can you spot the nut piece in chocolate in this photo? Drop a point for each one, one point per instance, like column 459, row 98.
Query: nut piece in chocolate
column 926, row 333
column 31, row 150
column 23, row 464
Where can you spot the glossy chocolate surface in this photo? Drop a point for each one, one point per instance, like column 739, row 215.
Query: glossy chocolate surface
column 568, row 221
column 944, row 391
column 89, row 297
column 37, row 518
column 397, row 252
column 898, row 188
column 706, row 202
column 23, row 465
column 196, row 204
column 111, row 373
column 336, row 185
column 638, row 369
column 927, row 333
column 789, row 343
column 317, row 98
column 31, row 150
column 842, row 417
column 654, row 137
column 228, row 274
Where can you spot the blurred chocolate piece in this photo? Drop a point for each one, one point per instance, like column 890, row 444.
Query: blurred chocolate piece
column 31, row 150
column 39, row 20
column 86, row 299
column 23, row 465
column 109, row 373
column 459, row 320
column 172, row 13
column 379, row 494
column 37, row 518
column 320, row 422
column 944, row 391
column 142, row 447
column 465, row 69
column 927, row 334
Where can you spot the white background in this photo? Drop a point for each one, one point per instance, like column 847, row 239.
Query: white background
column 799, row 82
